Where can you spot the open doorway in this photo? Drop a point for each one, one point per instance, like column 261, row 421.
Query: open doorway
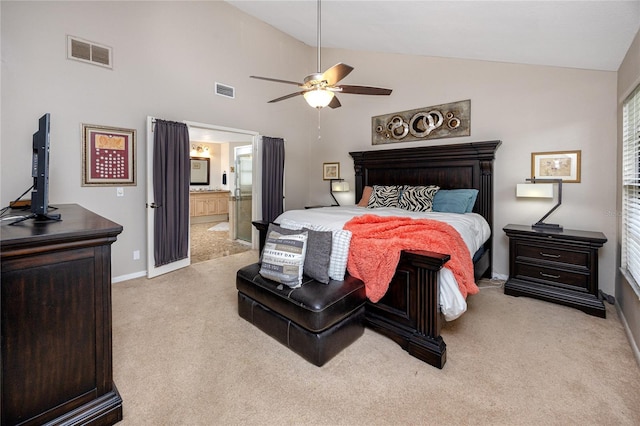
column 216, row 213
column 243, row 193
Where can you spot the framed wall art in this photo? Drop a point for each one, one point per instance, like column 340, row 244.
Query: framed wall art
column 563, row 165
column 330, row 171
column 108, row 156
column 433, row 122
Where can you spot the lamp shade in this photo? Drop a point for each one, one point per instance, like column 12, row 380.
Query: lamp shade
column 531, row 190
column 340, row 186
column 541, row 188
column 318, row 98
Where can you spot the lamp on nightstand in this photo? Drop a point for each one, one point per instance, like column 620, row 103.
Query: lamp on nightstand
column 338, row 185
column 541, row 188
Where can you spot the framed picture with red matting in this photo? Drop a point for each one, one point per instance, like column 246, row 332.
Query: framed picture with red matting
column 108, row 156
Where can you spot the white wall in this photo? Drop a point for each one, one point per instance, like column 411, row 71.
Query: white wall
column 529, row 108
column 167, row 57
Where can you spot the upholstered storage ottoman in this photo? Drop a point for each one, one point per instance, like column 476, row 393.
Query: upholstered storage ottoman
column 315, row 320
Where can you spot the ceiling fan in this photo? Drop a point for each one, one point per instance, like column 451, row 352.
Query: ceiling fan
column 319, row 89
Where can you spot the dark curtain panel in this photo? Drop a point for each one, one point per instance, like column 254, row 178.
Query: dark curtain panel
column 272, row 177
column 171, row 171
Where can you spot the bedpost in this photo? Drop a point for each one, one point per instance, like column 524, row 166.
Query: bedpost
column 410, row 315
column 486, row 183
column 358, row 176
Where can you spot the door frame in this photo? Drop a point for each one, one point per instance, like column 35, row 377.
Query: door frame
column 152, row 270
column 232, row 135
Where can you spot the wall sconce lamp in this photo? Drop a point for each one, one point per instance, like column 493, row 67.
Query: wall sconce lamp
column 199, row 151
column 337, row 185
column 541, row 188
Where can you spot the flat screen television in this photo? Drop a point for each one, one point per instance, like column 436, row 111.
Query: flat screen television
column 40, row 171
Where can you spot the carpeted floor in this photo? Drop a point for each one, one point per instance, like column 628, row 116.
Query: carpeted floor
column 183, row 356
column 207, row 245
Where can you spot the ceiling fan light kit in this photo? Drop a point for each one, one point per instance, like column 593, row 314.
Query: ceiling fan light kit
column 319, row 88
column 318, row 98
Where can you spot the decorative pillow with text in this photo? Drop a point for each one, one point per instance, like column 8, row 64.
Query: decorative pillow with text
column 283, row 258
column 318, row 256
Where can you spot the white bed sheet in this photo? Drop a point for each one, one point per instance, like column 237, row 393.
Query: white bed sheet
column 472, row 227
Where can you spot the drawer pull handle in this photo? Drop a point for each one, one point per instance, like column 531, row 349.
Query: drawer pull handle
column 555, row 256
column 549, row 275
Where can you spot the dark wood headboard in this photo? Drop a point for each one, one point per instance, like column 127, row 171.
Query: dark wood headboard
column 456, row 166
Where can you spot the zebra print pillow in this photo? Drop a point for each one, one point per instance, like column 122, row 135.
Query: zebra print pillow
column 384, row 196
column 418, row 198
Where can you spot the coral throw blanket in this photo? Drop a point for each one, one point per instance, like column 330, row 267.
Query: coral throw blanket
column 377, row 241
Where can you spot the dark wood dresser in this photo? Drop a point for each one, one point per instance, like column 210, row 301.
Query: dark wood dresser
column 55, row 318
column 556, row 266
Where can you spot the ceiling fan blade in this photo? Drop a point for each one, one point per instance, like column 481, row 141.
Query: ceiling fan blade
column 364, row 90
column 282, row 98
column 276, row 80
column 336, row 73
column 335, row 103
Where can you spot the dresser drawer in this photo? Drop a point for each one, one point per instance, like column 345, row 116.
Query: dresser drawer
column 552, row 254
column 571, row 280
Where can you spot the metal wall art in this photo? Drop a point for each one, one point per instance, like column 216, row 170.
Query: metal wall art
column 434, row 122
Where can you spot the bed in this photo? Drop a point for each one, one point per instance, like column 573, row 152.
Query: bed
column 409, row 312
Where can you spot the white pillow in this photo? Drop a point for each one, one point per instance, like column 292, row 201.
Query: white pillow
column 292, row 224
column 340, row 242
column 283, row 258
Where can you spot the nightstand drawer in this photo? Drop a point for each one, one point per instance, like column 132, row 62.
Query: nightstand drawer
column 559, row 266
column 549, row 254
column 571, row 280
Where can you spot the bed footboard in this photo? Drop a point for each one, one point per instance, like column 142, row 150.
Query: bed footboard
column 409, row 313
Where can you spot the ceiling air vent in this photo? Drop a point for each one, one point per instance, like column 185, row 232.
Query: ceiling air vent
column 226, row 91
column 89, row 52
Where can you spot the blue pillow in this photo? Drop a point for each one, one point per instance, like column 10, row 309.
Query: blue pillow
column 455, row 200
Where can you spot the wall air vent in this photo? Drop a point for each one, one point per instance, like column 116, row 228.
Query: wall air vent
column 226, row 91
column 89, row 52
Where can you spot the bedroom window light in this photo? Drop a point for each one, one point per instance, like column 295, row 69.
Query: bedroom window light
column 630, row 262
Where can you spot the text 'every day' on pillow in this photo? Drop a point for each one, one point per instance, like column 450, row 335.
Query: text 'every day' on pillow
column 283, row 258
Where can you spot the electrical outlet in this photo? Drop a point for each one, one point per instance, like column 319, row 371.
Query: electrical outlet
column 120, row 192
column 136, row 255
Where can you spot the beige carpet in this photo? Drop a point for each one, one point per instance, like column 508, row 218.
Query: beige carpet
column 182, row 356
column 207, row 245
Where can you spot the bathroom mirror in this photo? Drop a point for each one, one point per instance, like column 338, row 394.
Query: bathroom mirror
column 199, row 171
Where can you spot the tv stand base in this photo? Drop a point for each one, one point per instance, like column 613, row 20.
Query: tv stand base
column 39, row 218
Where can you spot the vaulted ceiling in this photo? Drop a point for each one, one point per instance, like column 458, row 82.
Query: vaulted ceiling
column 576, row 34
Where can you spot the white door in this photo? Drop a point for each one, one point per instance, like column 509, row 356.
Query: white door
column 152, row 270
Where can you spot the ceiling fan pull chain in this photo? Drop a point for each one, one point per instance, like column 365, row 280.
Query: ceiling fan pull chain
column 319, row 135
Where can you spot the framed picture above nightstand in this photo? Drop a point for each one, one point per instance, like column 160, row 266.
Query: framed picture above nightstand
column 556, row 266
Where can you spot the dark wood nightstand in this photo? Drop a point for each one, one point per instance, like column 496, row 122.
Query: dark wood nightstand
column 556, row 266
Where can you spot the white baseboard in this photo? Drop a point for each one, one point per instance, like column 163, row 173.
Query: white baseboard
column 128, row 277
column 627, row 330
column 502, row 277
